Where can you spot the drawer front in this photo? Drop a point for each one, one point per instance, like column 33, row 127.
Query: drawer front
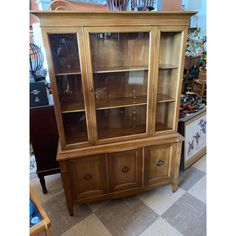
column 124, row 170
column 157, row 163
column 87, row 176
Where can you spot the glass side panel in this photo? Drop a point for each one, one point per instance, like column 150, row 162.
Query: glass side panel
column 169, row 59
column 170, row 46
column 65, row 56
column 120, row 73
column 121, row 121
column 64, row 48
column 165, row 116
column 70, row 93
column 75, row 127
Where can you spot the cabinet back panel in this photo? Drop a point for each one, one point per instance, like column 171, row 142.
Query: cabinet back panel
column 114, row 50
column 121, row 121
column 75, row 127
column 170, row 45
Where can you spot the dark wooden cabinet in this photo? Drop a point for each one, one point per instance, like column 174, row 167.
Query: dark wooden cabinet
column 44, row 140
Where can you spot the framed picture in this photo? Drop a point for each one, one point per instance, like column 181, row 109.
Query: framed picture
column 193, row 128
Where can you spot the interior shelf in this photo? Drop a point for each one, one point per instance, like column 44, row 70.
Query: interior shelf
column 69, row 73
column 72, row 107
column 119, row 69
column 164, row 98
column 76, row 138
column 167, row 66
column 117, row 132
column 162, row 127
column 121, row 102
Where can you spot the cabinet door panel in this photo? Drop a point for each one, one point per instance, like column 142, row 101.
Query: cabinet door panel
column 157, row 162
column 124, row 170
column 68, row 85
column 119, row 65
column 88, row 176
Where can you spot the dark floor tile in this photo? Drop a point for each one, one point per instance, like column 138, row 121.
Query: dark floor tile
column 188, row 216
column 129, row 216
column 58, row 214
column 189, row 177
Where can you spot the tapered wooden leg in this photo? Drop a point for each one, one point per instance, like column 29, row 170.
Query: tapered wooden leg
column 67, row 188
column 70, row 209
column 175, row 180
column 174, row 186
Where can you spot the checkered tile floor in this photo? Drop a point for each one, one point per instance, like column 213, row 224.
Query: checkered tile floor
column 158, row 212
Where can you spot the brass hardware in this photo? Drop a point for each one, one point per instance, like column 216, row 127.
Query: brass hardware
column 160, row 163
column 87, row 176
column 91, row 90
column 125, row 169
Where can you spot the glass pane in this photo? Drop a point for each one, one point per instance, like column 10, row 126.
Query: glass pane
column 165, row 116
column 121, row 121
column 170, row 45
column 75, row 127
column 169, row 58
column 64, row 48
column 65, row 56
column 70, row 92
column 120, row 73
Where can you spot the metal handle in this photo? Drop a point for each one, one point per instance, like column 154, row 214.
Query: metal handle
column 160, row 163
column 87, row 176
column 125, row 169
column 91, row 90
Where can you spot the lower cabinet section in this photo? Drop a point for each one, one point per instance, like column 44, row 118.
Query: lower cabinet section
column 119, row 174
column 87, row 176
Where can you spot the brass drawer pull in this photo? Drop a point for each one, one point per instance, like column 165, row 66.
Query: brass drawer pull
column 160, row 163
column 87, row 176
column 125, row 169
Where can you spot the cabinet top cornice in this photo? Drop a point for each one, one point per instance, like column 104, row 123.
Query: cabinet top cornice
column 118, row 18
column 160, row 14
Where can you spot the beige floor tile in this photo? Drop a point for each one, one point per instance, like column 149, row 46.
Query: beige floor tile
column 90, row 226
column 201, row 164
column 199, row 190
column 161, row 228
column 53, row 184
column 95, row 206
column 161, row 199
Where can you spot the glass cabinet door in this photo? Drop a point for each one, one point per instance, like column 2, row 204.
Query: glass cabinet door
column 168, row 79
column 65, row 57
column 120, row 62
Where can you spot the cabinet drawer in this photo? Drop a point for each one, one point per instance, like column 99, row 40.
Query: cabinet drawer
column 157, row 163
column 87, row 176
column 124, row 170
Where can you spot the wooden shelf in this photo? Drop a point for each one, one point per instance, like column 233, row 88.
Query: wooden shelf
column 68, row 73
column 76, row 138
column 121, row 102
column 72, row 107
column 162, row 127
column 167, row 66
column 118, row 132
column 164, row 98
column 120, row 69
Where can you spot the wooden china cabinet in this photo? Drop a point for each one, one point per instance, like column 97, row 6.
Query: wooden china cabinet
column 116, row 79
